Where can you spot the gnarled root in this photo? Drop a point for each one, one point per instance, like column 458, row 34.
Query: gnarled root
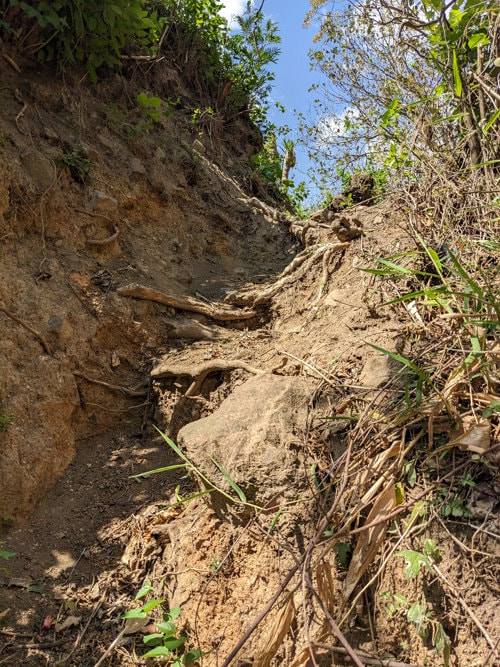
column 298, row 267
column 219, row 312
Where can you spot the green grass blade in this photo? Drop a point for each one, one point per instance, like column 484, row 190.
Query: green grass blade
column 148, row 473
column 228, row 479
column 403, row 360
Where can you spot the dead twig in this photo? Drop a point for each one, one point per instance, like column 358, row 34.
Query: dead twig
column 219, row 311
column 110, row 648
column 29, row 328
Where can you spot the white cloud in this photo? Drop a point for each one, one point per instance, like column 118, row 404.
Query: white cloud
column 331, row 127
column 231, row 9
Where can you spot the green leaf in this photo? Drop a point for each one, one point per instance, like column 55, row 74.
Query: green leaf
column 147, row 588
column 172, row 614
column 415, row 612
column 456, row 76
column 228, row 479
column 167, row 629
column 431, row 549
column 479, row 39
column 442, row 643
column 157, row 652
column 155, row 639
column 138, row 612
column 414, row 559
column 491, row 121
column 342, row 551
column 38, row 587
column 151, row 604
column 174, row 643
column 411, row 474
column 192, row 656
column 6, row 554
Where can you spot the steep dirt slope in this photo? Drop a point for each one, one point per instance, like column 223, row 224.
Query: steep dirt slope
column 178, row 228
column 249, row 343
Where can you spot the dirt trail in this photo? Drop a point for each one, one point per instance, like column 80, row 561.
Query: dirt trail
column 182, row 219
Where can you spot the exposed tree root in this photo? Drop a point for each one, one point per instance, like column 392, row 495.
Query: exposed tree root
column 29, row 328
column 113, row 387
column 219, row 312
column 187, row 328
column 295, row 270
column 199, row 373
column 107, row 241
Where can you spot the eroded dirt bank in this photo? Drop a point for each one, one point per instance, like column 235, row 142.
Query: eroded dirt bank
column 165, row 291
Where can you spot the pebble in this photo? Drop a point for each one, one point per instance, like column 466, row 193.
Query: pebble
column 103, row 202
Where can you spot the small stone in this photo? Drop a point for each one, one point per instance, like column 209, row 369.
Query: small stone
column 51, row 136
column 136, row 168
column 160, row 154
column 103, row 202
column 39, row 168
column 60, row 328
column 58, row 243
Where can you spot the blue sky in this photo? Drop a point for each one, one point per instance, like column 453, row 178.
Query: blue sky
column 293, row 75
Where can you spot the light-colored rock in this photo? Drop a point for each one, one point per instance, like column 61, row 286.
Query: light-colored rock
column 256, row 435
column 103, row 202
column 160, row 154
column 39, row 168
column 136, row 168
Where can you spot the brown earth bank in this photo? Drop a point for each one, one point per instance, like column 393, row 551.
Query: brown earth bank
column 166, row 290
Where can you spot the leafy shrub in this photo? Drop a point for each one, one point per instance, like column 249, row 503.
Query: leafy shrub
column 93, row 32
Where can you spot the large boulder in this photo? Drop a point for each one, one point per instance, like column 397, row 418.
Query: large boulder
column 256, row 435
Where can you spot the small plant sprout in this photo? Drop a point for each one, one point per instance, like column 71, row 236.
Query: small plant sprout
column 166, row 642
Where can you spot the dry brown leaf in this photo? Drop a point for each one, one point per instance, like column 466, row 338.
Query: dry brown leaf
column 133, row 625
column 476, row 436
column 326, row 587
column 69, row 622
column 369, row 540
column 276, row 634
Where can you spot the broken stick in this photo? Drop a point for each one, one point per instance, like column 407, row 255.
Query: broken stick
column 219, row 311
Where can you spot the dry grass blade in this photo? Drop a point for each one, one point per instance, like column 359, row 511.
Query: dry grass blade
column 276, row 634
column 370, row 540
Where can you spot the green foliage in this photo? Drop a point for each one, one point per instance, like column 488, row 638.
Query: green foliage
column 414, row 82
column 5, row 555
column 5, row 421
column 343, row 551
column 97, row 33
column 78, row 163
column 92, row 32
column 166, row 642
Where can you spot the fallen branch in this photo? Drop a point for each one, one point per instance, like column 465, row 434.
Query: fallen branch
column 113, row 387
column 29, row 328
column 110, row 239
column 219, row 312
column 199, row 373
column 300, row 266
